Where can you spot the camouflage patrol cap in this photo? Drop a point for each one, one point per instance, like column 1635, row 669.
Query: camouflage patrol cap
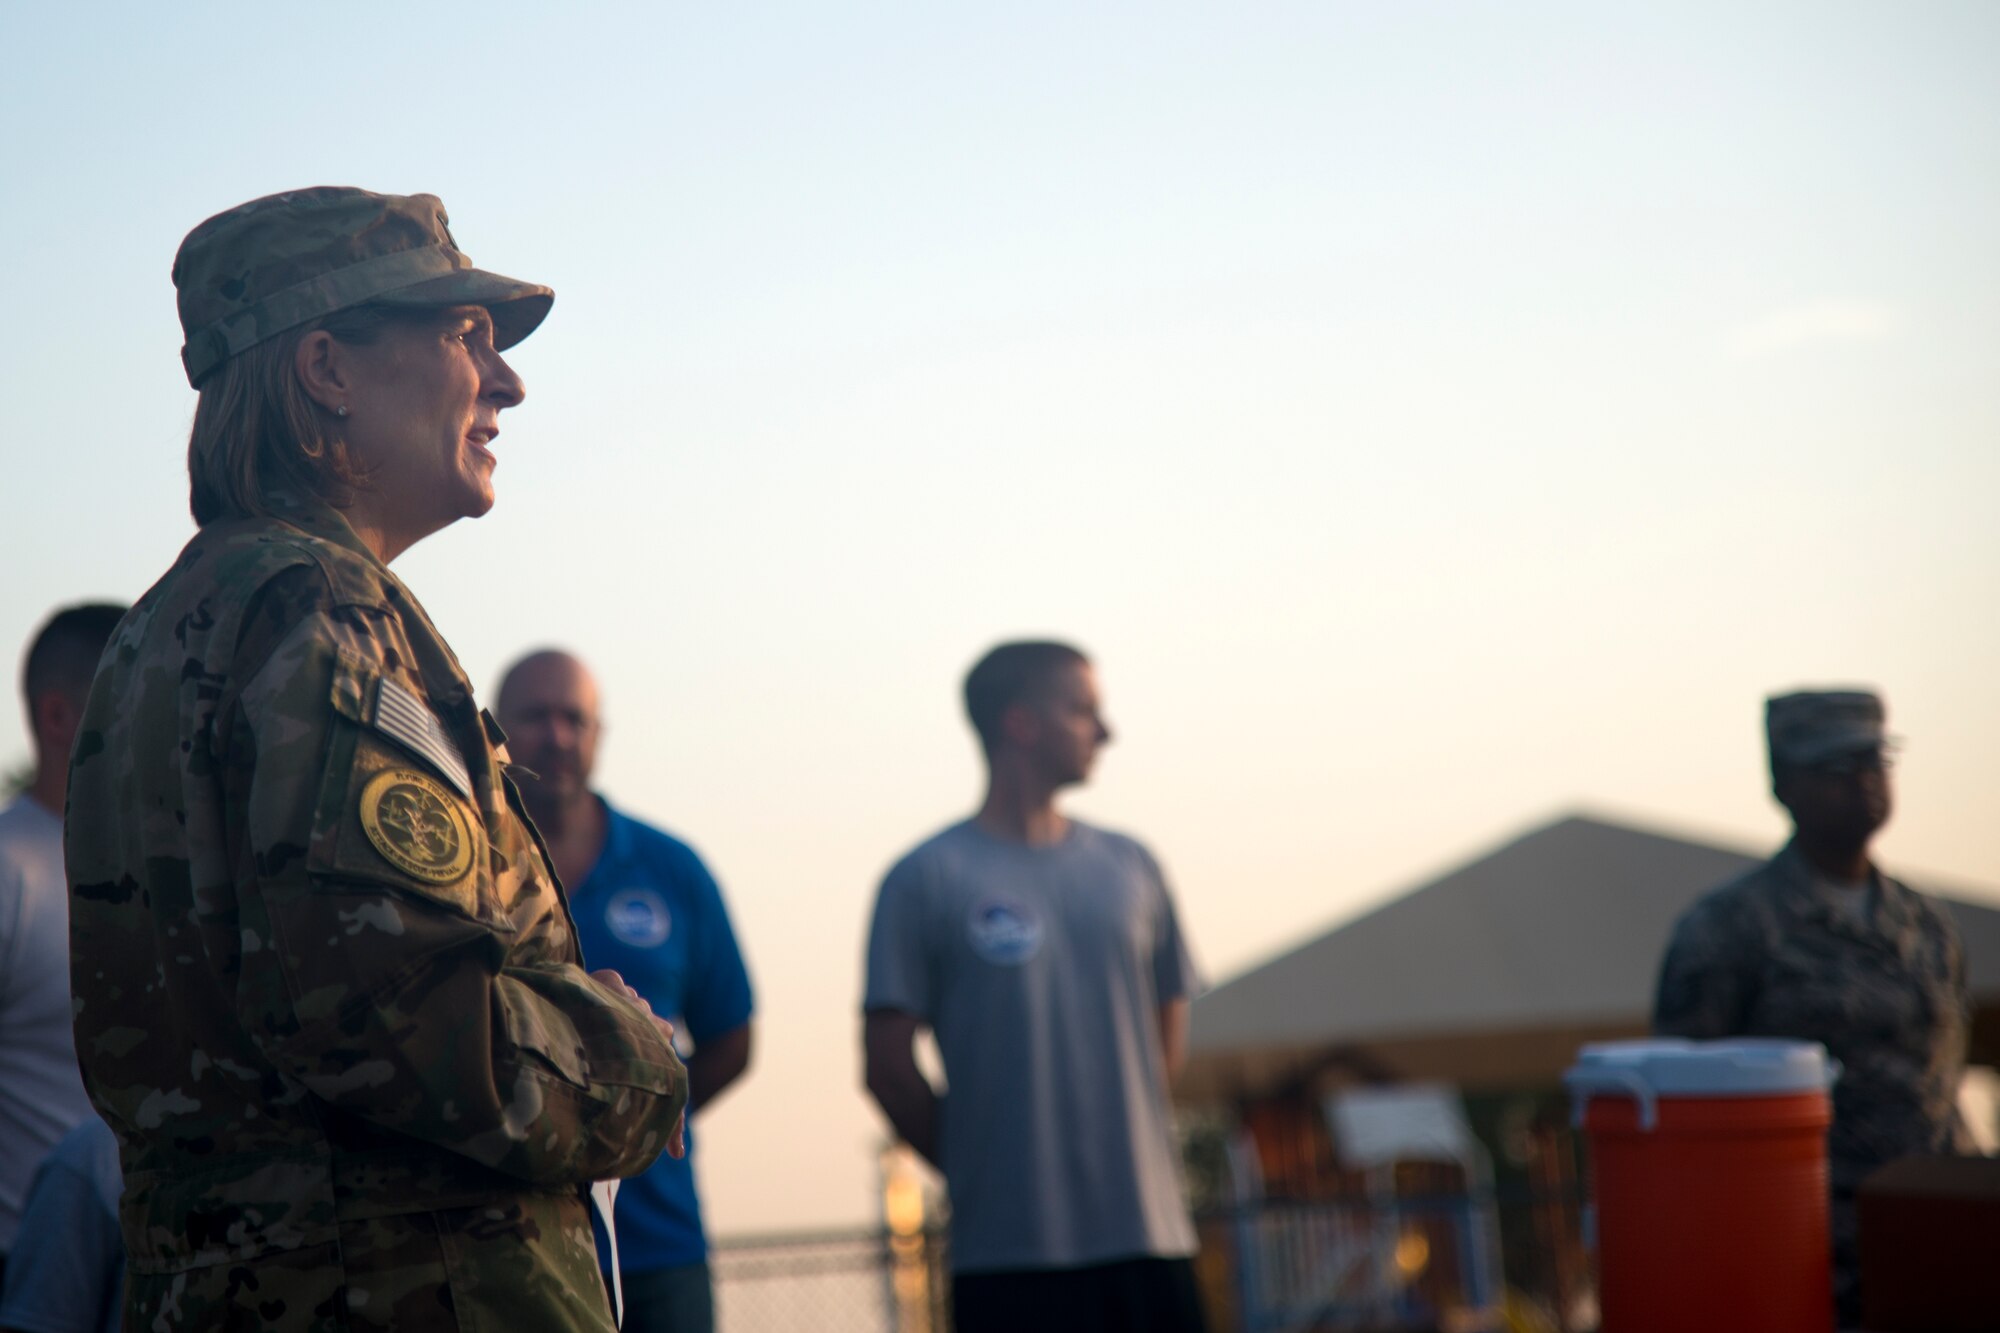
column 1808, row 726
column 284, row 260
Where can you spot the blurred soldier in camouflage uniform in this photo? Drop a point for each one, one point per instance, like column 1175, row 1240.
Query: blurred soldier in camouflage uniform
column 1819, row 945
column 328, row 992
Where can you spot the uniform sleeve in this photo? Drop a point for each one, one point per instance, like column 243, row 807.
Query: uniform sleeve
column 1962, row 1140
column 1174, row 975
column 1706, row 980
column 718, row 1000
column 1961, row 979
column 1958, row 983
column 899, row 964
column 416, row 992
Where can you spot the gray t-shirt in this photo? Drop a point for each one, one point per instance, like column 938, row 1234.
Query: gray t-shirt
column 41, row 1092
column 1041, row 972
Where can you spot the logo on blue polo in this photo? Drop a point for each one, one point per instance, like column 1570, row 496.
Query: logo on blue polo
column 639, row 917
column 1004, row 931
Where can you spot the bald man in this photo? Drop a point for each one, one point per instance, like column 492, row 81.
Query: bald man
column 646, row 907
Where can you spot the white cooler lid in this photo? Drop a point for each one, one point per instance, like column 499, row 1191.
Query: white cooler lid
column 1671, row 1067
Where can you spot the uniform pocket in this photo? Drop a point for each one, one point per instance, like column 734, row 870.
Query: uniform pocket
column 240, row 1208
column 590, row 1041
column 535, row 1026
column 394, row 808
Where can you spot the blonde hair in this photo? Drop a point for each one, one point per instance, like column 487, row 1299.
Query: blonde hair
column 257, row 430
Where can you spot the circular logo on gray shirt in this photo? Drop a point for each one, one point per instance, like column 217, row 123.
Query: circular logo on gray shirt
column 1004, row 931
column 639, row 918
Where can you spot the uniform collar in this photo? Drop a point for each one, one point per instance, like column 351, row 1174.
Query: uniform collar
column 444, row 679
column 322, row 520
column 1892, row 922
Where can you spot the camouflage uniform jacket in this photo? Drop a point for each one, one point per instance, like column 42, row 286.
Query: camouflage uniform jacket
column 1768, row 956
column 327, row 988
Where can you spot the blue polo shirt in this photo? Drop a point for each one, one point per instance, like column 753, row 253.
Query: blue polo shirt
column 650, row 909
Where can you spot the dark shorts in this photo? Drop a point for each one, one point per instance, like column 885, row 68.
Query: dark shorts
column 670, row 1300
column 1130, row 1296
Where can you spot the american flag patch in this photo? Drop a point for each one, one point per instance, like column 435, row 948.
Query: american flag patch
column 402, row 716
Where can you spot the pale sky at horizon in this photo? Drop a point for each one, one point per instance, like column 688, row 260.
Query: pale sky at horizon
column 1433, row 418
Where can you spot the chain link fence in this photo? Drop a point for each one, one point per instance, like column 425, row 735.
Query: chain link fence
column 854, row 1281
column 1483, row 1262
column 1462, row 1263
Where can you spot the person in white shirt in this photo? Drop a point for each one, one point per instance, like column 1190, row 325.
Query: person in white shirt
column 41, row 1092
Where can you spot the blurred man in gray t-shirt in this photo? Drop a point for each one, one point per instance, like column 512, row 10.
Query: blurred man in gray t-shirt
column 1044, row 955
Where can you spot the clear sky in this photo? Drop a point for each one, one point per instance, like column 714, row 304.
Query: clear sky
column 1433, row 417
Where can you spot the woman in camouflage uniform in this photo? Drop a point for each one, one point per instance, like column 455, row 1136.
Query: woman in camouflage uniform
column 328, row 991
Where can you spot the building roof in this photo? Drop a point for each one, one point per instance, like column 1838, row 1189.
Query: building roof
column 1492, row 973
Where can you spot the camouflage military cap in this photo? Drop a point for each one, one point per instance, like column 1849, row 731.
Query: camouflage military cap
column 287, row 259
column 1810, row 725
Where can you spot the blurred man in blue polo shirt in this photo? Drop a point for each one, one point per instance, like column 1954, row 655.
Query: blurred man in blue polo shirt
column 647, row 908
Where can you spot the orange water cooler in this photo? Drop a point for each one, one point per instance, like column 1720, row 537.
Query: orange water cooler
column 1709, row 1179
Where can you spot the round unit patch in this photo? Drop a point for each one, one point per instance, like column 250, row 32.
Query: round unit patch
column 639, row 917
column 1004, row 931
column 416, row 823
